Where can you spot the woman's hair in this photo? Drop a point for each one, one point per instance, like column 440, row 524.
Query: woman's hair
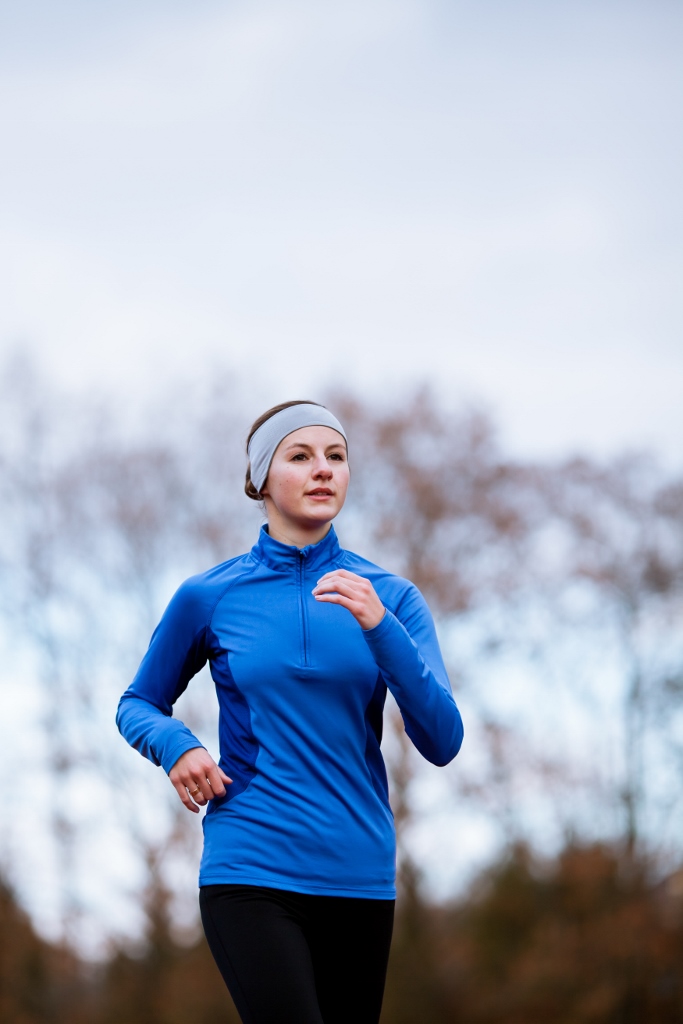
column 249, row 488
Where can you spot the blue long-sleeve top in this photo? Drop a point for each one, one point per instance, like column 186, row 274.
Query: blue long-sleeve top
column 301, row 690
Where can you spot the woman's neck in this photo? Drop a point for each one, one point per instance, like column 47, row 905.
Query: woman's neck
column 294, row 534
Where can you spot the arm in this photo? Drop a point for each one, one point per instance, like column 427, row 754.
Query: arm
column 407, row 653
column 177, row 651
column 406, row 650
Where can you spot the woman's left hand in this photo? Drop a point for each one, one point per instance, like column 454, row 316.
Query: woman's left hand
column 352, row 592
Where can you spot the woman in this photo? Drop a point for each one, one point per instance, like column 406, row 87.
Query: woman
column 303, row 638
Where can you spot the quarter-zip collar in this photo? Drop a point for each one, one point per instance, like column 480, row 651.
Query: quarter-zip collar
column 289, row 558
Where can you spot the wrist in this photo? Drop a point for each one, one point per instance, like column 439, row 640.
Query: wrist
column 370, row 622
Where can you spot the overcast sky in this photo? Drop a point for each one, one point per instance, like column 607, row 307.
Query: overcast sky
column 485, row 195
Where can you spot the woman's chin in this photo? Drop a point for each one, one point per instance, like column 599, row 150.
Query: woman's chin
column 320, row 507
column 317, row 516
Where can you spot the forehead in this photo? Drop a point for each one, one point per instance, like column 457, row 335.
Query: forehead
column 323, row 437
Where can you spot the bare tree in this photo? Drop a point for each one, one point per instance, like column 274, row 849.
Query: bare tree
column 557, row 590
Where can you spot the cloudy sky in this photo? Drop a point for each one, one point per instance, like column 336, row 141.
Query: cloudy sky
column 485, row 195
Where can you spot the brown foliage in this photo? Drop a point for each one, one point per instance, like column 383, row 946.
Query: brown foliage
column 585, row 938
column 166, row 983
column 40, row 983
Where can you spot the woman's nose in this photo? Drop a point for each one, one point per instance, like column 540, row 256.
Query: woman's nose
column 321, row 468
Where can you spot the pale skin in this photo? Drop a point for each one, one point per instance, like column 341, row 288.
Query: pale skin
column 305, row 489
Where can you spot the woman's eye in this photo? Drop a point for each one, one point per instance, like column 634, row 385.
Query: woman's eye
column 299, row 457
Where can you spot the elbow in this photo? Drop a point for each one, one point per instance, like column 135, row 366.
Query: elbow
column 457, row 742
column 458, row 736
column 121, row 713
column 451, row 749
column 443, row 758
column 441, row 751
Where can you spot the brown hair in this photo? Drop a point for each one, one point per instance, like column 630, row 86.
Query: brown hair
column 249, row 488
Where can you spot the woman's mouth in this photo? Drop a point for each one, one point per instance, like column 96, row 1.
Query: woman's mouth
column 320, row 492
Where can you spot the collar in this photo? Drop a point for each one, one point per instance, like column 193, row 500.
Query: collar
column 287, row 557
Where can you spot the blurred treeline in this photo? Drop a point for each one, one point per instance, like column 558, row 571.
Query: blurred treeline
column 586, row 937
column 558, row 590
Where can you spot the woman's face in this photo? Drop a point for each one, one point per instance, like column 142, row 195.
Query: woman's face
column 308, row 477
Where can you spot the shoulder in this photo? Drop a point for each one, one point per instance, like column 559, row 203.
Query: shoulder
column 197, row 596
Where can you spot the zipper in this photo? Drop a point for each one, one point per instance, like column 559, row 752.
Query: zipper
column 303, row 622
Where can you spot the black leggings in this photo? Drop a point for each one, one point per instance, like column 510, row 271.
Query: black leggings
column 291, row 958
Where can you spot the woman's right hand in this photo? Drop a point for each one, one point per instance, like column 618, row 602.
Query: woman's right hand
column 197, row 778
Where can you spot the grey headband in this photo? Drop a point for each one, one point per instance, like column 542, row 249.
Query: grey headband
column 268, row 436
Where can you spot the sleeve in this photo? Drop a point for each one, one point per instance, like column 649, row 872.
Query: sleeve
column 177, row 651
column 406, row 650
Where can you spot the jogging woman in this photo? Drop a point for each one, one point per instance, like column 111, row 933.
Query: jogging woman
column 297, row 879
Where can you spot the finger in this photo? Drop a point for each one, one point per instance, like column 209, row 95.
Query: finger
column 333, row 580
column 342, row 572
column 340, row 599
column 350, row 577
column 200, row 791
column 185, row 797
column 215, row 781
column 340, row 586
column 225, row 778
